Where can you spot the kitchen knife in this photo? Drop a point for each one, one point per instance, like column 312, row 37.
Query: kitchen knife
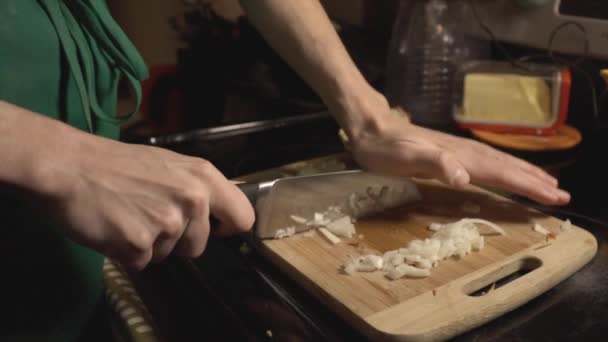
column 277, row 201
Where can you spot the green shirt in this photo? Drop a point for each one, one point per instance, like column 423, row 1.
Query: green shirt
column 63, row 59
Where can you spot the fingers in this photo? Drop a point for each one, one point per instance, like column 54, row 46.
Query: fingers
column 137, row 252
column 165, row 243
column 522, row 183
column 484, row 153
column 194, row 240
column 456, row 161
column 489, row 166
column 518, row 176
column 528, row 168
column 231, row 208
column 440, row 164
column 210, row 194
column 187, row 238
column 181, row 226
column 222, row 200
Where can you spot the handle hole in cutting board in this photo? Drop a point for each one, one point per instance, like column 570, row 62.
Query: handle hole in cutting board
column 502, row 276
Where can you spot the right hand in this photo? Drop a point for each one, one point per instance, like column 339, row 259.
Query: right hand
column 138, row 204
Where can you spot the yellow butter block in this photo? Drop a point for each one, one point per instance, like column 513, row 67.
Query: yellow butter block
column 504, row 98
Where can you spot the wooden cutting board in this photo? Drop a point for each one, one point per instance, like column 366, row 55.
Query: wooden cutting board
column 440, row 306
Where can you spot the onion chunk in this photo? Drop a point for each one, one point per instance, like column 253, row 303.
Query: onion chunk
column 285, row 232
column 366, row 263
column 540, row 229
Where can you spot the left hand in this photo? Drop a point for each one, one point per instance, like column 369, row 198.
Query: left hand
column 392, row 145
column 301, row 32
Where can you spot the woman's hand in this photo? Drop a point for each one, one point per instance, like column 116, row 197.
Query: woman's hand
column 130, row 202
column 392, row 145
column 139, row 204
column 301, row 32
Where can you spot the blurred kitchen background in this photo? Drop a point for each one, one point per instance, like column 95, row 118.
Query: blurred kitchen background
column 217, row 91
column 227, row 95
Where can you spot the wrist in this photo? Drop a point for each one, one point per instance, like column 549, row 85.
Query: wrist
column 19, row 164
column 54, row 167
column 36, row 151
column 359, row 109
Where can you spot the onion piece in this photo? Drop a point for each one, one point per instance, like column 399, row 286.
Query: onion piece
column 298, row 219
column 342, row 227
column 329, row 236
column 366, row 263
column 435, row 226
column 540, row 229
column 494, row 226
column 284, row 232
column 318, row 220
column 566, row 225
column 405, row 270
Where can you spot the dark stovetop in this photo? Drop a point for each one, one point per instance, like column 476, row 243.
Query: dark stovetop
column 229, row 296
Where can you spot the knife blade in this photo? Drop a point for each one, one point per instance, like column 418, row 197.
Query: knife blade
column 277, row 201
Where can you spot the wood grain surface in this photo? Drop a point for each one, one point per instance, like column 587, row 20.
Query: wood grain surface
column 437, row 307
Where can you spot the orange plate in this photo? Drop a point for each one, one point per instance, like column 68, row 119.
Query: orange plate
column 565, row 137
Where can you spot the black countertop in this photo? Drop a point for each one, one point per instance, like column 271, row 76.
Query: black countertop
column 227, row 296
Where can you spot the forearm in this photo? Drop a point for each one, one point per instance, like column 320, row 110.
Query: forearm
column 29, row 146
column 300, row 31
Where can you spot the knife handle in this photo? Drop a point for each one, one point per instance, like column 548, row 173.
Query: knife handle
column 250, row 190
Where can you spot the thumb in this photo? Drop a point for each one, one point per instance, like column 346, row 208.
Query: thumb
column 444, row 166
column 453, row 173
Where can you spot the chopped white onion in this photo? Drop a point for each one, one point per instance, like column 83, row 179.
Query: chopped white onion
column 285, row 232
column 435, row 226
column 366, row 263
column 494, row 226
column 318, row 220
column 566, row 225
column 342, row 227
column 540, row 229
column 298, row 219
column 405, row 270
column 329, row 236
column 374, row 200
column 424, row 264
column 456, row 239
